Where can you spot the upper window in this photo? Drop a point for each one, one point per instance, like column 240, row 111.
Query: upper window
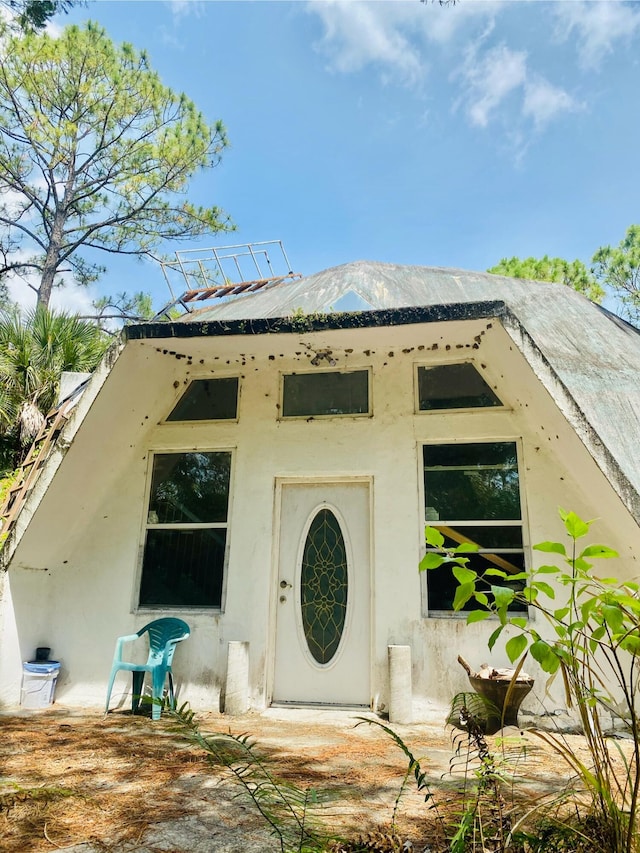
column 186, row 530
column 472, row 494
column 329, row 393
column 453, row 386
column 208, row 400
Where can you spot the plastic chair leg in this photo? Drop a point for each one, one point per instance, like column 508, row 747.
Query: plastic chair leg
column 112, row 678
column 159, row 675
column 138, row 684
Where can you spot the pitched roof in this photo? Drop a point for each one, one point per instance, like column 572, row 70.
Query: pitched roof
column 586, row 357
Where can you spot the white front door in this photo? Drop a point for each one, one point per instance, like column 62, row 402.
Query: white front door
column 323, row 595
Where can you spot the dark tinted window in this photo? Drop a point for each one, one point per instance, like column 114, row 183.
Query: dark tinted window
column 183, row 568
column 208, row 400
column 334, row 393
column 186, row 535
column 190, row 488
column 453, row 386
column 472, row 494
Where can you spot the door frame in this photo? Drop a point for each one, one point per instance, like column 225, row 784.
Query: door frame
column 311, row 480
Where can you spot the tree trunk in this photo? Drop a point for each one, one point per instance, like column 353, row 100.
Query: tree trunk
column 52, row 259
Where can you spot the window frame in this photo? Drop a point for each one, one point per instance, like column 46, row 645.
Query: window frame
column 183, row 390
column 367, row 414
column 464, row 410
column 137, row 607
column 522, row 523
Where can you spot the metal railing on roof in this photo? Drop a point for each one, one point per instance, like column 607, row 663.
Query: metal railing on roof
column 219, row 272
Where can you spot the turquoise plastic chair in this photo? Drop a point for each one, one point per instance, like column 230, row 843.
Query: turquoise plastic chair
column 164, row 635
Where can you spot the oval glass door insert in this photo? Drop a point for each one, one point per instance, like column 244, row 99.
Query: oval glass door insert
column 324, row 586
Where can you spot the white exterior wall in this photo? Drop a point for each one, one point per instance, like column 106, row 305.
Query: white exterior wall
column 73, row 581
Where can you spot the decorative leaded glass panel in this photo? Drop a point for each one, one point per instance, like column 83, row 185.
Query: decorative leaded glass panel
column 324, row 586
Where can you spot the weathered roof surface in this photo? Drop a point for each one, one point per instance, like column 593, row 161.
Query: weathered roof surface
column 367, row 285
column 588, row 359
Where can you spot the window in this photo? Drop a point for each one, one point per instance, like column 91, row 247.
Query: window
column 472, row 494
column 208, row 400
column 186, row 530
column 453, row 386
column 328, row 393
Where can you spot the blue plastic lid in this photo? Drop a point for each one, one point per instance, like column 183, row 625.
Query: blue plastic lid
column 41, row 667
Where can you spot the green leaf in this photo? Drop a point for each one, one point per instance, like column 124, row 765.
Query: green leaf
column 464, row 576
column 545, row 655
column 503, row 596
column 575, row 526
column 599, row 551
column 551, row 548
column 467, row 548
column 431, row 561
column 463, row 593
column 547, row 570
column 631, row 644
column 494, row 637
column 433, row 537
column 515, row 646
column 628, row 602
column 495, row 573
column 482, row 598
column 519, row 621
column 613, row 616
column 478, row 616
column 541, row 586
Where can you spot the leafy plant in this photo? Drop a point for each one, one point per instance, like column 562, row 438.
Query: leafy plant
column 484, row 820
column 287, row 809
column 595, row 642
column 413, row 770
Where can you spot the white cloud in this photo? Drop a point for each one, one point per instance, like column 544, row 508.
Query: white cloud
column 490, row 79
column 184, row 8
column 73, row 298
column 396, row 36
column 443, row 25
column 493, row 80
column 53, row 30
column 493, row 77
column 399, row 37
column 597, row 26
column 543, row 102
column 361, row 34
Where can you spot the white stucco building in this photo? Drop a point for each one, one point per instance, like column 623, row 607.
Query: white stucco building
column 264, row 469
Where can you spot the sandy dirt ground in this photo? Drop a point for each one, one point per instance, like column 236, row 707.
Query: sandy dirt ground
column 84, row 783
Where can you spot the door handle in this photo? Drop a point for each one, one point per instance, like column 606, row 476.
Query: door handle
column 285, row 585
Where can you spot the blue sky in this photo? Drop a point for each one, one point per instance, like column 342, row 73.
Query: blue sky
column 399, row 131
